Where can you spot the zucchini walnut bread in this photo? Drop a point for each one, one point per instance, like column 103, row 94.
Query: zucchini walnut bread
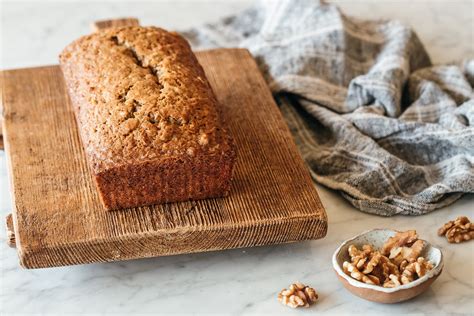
column 148, row 118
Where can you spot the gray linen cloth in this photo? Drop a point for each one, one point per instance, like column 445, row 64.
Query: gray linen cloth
column 371, row 115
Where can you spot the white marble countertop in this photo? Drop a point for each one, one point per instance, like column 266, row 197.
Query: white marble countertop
column 243, row 281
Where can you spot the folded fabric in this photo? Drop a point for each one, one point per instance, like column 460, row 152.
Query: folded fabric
column 370, row 114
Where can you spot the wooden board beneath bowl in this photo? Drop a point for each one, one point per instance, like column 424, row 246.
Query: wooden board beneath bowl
column 58, row 218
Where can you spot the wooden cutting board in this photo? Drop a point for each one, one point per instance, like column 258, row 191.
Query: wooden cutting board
column 58, row 219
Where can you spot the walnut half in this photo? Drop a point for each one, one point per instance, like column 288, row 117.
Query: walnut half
column 459, row 230
column 298, row 295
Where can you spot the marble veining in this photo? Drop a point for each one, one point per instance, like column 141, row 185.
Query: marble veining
column 242, row 281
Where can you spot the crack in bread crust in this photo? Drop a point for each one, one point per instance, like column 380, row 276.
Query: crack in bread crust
column 137, row 59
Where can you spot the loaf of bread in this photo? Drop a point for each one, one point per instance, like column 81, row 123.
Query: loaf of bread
column 148, row 118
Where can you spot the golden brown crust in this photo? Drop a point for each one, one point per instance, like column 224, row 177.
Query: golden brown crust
column 148, row 118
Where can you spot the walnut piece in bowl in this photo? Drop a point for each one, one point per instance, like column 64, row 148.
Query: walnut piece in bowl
column 386, row 266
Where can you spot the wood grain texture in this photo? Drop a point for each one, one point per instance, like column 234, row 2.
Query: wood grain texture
column 58, row 218
column 99, row 25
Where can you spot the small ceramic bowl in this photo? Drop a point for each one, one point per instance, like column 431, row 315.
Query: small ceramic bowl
column 376, row 293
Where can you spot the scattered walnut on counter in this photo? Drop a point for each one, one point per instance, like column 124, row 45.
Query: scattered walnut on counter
column 298, row 295
column 398, row 262
column 10, row 231
column 459, row 230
